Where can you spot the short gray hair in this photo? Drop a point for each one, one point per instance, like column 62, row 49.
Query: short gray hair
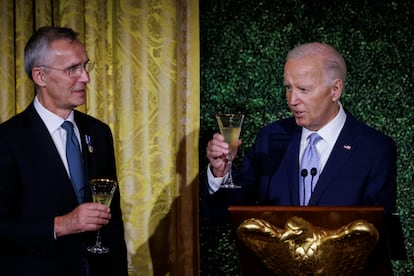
column 36, row 49
column 334, row 64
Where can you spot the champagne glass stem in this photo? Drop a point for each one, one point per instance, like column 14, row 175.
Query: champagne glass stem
column 98, row 248
column 229, row 166
column 229, row 181
column 98, row 238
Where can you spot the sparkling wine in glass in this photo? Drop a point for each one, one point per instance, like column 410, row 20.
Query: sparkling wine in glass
column 230, row 127
column 102, row 191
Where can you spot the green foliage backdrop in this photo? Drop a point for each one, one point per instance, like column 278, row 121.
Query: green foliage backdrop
column 243, row 46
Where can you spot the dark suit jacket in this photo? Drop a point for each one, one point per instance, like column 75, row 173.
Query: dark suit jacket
column 35, row 188
column 361, row 171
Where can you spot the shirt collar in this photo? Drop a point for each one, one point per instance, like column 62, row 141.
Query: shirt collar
column 330, row 131
column 51, row 120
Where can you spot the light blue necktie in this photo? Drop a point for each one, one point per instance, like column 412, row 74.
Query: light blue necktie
column 309, row 170
column 74, row 157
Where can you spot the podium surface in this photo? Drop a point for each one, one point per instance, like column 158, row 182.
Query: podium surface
column 379, row 262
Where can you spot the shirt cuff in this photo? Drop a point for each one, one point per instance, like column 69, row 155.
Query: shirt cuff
column 214, row 183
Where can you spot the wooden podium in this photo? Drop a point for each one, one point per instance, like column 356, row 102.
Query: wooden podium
column 379, row 262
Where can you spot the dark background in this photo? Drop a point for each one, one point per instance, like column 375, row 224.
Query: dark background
column 243, row 46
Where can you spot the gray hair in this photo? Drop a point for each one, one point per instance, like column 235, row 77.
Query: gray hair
column 334, row 65
column 37, row 47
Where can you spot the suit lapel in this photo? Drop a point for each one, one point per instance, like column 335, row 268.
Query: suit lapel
column 292, row 169
column 43, row 146
column 342, row 151
column 41, row 137
column 286, row 178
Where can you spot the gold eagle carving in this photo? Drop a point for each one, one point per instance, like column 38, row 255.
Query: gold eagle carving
column 304, row 249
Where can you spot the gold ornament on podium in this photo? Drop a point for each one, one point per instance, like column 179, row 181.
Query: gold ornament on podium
column 304, row 249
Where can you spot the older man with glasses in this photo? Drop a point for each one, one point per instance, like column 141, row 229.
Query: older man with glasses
column 47, row 218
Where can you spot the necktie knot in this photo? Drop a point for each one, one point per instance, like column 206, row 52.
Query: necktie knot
column 68, row 126
column 314, row 138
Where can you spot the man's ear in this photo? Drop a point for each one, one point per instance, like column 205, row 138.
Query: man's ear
column 38, row 76
column 336, row 90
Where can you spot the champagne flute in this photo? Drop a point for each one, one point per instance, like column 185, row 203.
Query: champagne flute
column 230, row 127
column 102, row 191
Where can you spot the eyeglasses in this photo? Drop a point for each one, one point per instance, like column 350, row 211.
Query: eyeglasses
column 74, row 71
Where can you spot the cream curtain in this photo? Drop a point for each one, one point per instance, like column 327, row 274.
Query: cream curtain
column 145, row 85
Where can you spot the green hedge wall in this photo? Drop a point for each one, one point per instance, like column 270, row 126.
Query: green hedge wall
column 243, row 46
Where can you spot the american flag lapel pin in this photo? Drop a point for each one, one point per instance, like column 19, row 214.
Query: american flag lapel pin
column 88, row 143
column 347, row 147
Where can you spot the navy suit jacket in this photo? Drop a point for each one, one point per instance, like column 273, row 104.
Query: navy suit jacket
column 35, row 188
column 360, row 171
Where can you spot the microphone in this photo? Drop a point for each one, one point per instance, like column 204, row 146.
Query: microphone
column 313, row 172
column 304, row 174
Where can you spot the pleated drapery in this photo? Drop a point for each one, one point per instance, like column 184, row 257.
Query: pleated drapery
column 145, row 85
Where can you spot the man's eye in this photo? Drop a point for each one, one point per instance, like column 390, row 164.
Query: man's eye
column 74, row 68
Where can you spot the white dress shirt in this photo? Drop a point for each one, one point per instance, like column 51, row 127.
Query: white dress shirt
column 54, row 125
column 329, row 134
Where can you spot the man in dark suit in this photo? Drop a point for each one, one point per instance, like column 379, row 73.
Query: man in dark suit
column 44, row 228
column 356, row 166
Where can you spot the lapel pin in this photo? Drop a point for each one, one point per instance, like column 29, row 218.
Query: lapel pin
column 347, row 147
column 88, row 143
